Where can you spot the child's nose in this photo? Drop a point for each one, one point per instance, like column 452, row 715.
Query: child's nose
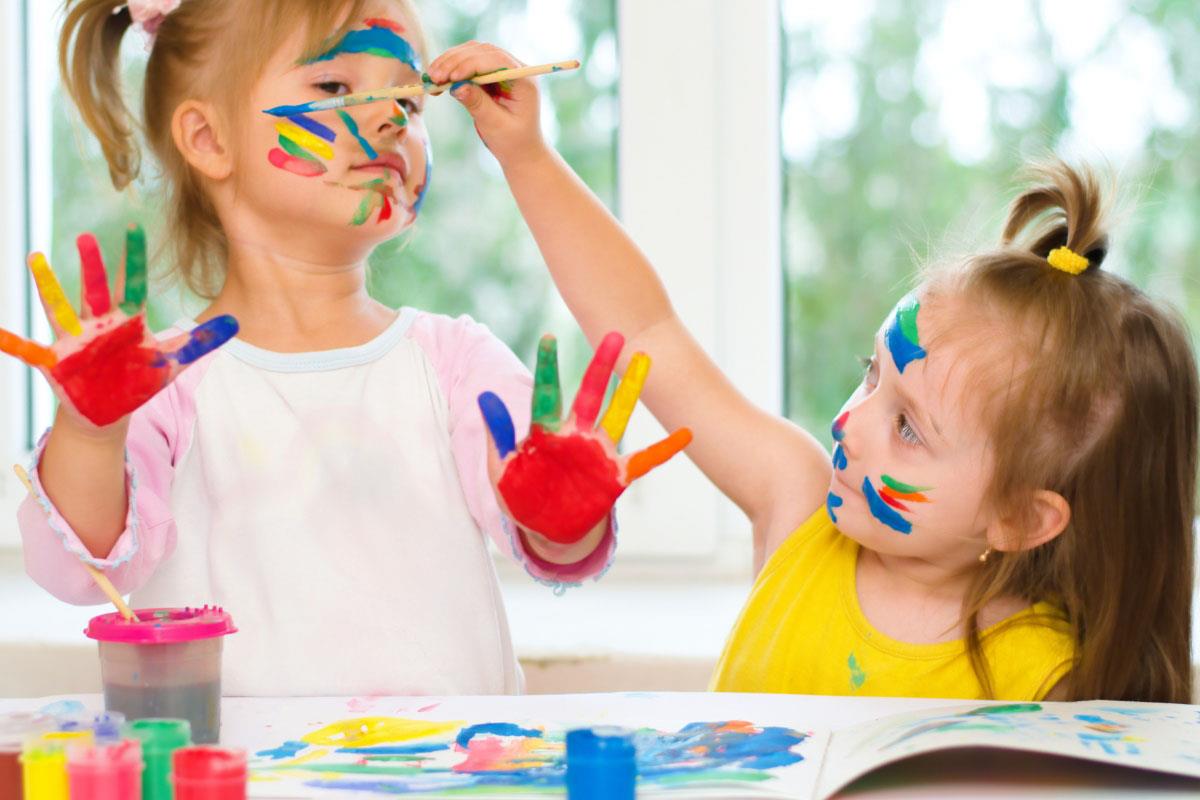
column 395, row 121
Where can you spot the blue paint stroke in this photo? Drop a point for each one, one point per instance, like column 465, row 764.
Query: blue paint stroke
column 832, row 501
column 285, row 750
column 312, row 126
column 383, row 42
column 495, row 729
column 395, row 750
column 839, row 457
column 883, row 512
column 416, row 209
column 62, row 708
column 904, row 350
column 499, row 422
column 206, row 338
column 352, row 126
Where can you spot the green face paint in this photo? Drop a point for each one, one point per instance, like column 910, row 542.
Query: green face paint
column 547, row 395
column 135, row 270
column 293, row 149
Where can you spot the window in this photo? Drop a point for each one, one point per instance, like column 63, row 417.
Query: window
column 904, row 122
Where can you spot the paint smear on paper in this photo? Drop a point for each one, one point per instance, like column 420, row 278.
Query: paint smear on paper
column 901, row 335
column 884, row 512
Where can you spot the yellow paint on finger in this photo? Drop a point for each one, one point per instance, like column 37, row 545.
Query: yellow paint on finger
column 310, row 142
column 52, row 295
column 625, row 397
column 368, row 731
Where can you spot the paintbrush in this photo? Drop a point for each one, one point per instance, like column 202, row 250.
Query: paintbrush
column 418, row 89
column 99, row 577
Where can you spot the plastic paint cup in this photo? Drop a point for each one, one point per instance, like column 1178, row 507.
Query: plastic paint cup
column 108, row 772
column 160, row 739
column 165, row 665
column 601, row 764
column 210, row 773
column 108, row 727
column 44, row 770
column 15, row 730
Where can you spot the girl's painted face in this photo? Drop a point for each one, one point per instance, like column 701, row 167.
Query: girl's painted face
column 365, row 168
column 910, row 462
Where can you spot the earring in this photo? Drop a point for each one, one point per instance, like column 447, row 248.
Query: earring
column 983, row 557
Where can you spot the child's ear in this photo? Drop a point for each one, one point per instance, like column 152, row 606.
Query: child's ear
column 1045, row 517
column 197, row 133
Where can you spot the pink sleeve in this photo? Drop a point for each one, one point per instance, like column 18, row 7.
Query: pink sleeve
column 469, row 360
column 158, row 436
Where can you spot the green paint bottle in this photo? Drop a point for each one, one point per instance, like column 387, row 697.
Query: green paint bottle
column 160, row 739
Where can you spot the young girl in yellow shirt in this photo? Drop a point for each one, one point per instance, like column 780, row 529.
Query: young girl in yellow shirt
column 1008, row 511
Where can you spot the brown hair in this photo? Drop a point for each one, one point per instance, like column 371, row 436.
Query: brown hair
column 207, row 49
column 1099, row 403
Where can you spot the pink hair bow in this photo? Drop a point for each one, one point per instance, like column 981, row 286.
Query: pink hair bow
column 149, row 15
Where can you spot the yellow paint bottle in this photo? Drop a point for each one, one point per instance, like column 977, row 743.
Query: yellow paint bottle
column 44, row 769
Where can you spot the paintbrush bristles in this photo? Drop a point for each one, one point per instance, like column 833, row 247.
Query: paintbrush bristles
column 99, row 577
column 418, row 89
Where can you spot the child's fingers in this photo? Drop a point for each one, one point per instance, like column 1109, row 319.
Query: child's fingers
column 625, row 398
column 547, row 392
column 595, row 381
column 134, row 284
column 441, row 67
column 31, row 353
column 204, row 339
column 659, row 453
column 59, row 314
column 96, row 299
column 499, row 423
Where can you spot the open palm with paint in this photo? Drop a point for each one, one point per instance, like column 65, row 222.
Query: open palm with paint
column 105, row 363
column 563, row 478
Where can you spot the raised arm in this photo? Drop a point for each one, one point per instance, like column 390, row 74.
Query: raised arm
column 772, row 469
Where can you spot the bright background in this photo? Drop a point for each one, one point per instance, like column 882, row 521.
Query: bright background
column 783, row 164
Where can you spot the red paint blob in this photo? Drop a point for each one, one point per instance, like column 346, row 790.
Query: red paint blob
column 560, row 486
column 386, row 212
column 297, row 166
column 114, row 375
column 379, row 22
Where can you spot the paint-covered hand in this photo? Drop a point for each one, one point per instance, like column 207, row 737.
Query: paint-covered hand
column 506, row 114
column 562, row 480
column 105, row 363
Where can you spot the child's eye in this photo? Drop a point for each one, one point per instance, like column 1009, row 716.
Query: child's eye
column 906, row 432
column 332, row 87
column 870, row 371
column 410, row 105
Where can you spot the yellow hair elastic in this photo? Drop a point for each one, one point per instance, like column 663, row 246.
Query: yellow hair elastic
column 1067, row 260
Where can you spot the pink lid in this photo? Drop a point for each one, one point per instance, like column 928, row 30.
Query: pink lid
column 162, row 625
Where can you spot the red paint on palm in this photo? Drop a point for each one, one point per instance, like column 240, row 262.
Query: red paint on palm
column 114, row 374
column 560, row 486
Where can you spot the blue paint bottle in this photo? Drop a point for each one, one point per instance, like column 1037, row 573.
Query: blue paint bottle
column 601, row 764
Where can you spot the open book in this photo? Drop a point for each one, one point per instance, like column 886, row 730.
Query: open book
column 514, row 747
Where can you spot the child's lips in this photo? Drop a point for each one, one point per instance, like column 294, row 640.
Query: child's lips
column 384, row 163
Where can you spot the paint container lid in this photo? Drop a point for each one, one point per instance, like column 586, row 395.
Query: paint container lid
column 108, row 726
column 19, row 727
column 162, row 625
column 41, row 750
column 120, row 757
column 206, row 765
column 67, row 738
column 601, row 764
column 159, row 736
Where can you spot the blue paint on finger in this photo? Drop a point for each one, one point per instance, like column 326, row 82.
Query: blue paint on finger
column 499, row 422
column 206, row 338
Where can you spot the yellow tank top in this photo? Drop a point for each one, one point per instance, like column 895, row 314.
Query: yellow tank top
column 802, row 631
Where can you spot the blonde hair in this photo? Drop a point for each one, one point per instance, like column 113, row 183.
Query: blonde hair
column 1099, row 404
column 206, row 49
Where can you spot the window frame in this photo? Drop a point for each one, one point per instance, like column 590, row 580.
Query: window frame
column 726, row 280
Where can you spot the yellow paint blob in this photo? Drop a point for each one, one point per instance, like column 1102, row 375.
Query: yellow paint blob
column 368, row 731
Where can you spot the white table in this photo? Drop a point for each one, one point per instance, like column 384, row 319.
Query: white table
column 257, row 723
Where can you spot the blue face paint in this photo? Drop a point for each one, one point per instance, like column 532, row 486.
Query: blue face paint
column 352, row 126
column 416, row 209
column 838, row 431
column 839, row 457
column 312, row 126
column 376, row 41
column 901, row 335
column 832, row 503
column 206, row 338
column 882, row 511
column 499, row 422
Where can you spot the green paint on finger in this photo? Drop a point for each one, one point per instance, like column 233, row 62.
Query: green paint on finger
column 547, row 395
column 135, row 270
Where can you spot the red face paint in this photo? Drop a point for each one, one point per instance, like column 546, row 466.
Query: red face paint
column 297, row 166
column 386, row 212
column 380, row 22
column 560, row 486
column 114, row 375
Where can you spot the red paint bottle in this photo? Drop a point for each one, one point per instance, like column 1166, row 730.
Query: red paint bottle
column 111, row 772
column 210, row 773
